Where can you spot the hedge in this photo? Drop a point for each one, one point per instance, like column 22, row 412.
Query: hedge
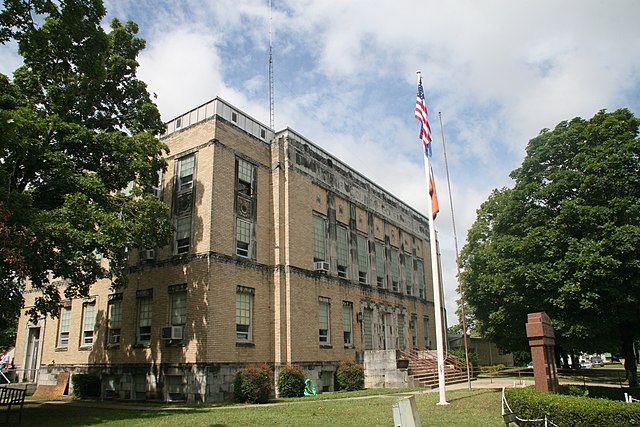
column 291, row 382
column 350, row 376
column 253, row 384
column 86, row 386
column 528, row 403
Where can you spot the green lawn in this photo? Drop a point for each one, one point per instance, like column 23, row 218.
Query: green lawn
column 466, row 408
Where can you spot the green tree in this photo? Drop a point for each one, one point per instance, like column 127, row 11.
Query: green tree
column 564, row 240
column 76, row 128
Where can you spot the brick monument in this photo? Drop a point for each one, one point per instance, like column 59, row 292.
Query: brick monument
column 542, row 341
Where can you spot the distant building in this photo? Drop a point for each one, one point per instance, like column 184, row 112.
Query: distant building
column 282, row 254
column 488, row 353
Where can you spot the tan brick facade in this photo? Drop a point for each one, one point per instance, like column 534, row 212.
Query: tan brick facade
column 293, row 180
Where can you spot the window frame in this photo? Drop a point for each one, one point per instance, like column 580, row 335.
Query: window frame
column 144, row 299
column 363, row 258
column 244, row 312
column 347, row 323
column 114, row 327
column 64, row 323
column 88, row 324
column 342, row 251
column 324, row 319
column 319, row 235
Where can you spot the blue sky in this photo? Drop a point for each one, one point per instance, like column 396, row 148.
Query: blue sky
column 345, row 77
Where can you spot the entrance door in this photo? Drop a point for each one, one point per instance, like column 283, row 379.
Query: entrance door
column 31, row 358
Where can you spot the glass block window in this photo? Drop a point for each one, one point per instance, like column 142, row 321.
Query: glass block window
column 319, row 238
column 363, row 264
column 342, row 244
column 63, row 333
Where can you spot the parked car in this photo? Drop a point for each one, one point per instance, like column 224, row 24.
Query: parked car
column 530, row 365
column 596, row 361
column 585, row 364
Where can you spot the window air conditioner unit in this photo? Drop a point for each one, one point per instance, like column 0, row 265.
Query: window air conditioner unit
column 114, row 339
column 148, row 254
column 172, row 333
column 321, row 266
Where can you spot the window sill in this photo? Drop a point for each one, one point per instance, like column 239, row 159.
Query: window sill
column 85, row 348
column 62, row 349
column 244, row 344
column 349, row 346
column 112, row 346
column 326, row 346
column 142, row 345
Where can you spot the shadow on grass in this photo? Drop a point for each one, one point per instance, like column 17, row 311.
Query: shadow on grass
column 62, row 413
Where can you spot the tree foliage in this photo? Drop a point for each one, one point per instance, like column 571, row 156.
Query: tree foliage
column 77, row 127
column 564, row 240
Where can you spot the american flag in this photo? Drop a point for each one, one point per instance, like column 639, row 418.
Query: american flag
column 423, row 116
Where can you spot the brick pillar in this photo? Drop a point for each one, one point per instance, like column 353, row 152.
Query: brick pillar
column 542, row 341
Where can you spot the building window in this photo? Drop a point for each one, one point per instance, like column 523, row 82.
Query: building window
column 414, row 330
column 115, row 319
column 179, row 308
column 347, row 322
column 183, row 234
column 379, row 264
column 425, row 325
column 324, row 310
column 183, row 207
column 244, row 313
column 145, row 310
column 363, row 264
column 186, row 166
column 408, row 274
column 395, row 270
column 243, row 237
column 367, row 328
column 63, row 333
column 246, row 177
column 319, row 238
column 420, row 278
column 88, row 322
column 342, row 244
column 401, row 340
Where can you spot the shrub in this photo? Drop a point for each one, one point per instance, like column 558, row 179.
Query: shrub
column 528, row 403
column 291, row 382
column 253, row 384
column 86, row 386
column 350, row 376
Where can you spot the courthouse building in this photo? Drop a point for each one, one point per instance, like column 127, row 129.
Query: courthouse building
column 282, row 254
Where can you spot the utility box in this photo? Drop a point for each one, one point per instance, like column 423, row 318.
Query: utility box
column 405, row 413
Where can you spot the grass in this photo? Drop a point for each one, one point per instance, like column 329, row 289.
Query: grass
column 466, row 408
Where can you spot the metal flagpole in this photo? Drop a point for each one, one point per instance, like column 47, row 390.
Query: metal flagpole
column 436, row 284
column 455, row 241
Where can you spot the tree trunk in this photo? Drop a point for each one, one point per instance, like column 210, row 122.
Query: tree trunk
column 630, row 361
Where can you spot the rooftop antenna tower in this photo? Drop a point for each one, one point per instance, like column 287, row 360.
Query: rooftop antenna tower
column 271, row 102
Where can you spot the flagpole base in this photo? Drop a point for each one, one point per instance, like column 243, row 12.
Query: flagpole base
column 444, row 403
